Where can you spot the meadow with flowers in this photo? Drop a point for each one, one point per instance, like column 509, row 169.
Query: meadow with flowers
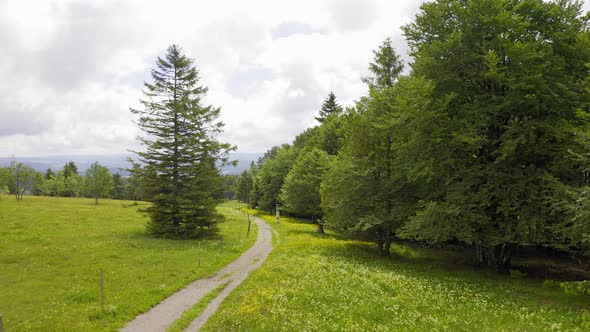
column 315, row 282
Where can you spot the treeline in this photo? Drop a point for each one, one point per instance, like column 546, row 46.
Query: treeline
column 97, row 182
column 484, row 143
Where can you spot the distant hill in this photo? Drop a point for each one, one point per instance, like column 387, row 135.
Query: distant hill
column 244, row 161
column 115, row 163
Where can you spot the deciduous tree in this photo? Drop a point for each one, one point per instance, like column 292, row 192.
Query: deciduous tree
column 4, row 178
column 55, row 184
column 98, row 182
column 510, row 78
column 271, row 176
column 300, row 193
column 22, row 179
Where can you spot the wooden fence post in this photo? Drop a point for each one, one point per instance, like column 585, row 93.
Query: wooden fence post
column 248, row 233
column 102, row 289
column 164, row 265
column 199, row 255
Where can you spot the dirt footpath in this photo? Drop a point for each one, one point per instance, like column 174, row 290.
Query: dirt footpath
column 166, row 312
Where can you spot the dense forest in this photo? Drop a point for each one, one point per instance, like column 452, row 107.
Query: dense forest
column 483, row 143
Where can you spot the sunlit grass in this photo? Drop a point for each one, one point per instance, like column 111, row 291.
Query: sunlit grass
column 314, row 282
column 51, row 251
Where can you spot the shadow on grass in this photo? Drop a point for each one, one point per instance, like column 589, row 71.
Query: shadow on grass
column 314, row 233
column 455, row 267
column 144, row 237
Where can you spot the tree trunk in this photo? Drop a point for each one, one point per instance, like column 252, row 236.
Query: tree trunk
column 380, row 245
column 96, row 200
column 320, row 228
column 389, row 199
column 496, row 257
column 387, row 245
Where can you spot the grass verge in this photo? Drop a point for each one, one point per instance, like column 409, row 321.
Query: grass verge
column 188, row 316
column 51, row 250
column 314, row 282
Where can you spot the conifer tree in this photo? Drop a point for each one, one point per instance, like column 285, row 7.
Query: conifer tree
column 72, row 180
column 330, row 106
column 49, row 174
column 363, row 178
column 386, row 68
column 182, row 151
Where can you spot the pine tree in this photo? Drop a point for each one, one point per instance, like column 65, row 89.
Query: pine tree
column 182, row 151
column 49, row 174
column 118, row 191
column 72, row 180
column 330, row 106
column 386, row 68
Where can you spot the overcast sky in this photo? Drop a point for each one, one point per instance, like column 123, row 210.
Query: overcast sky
column 70, row 70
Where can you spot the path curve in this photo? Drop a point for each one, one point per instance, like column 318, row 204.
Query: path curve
column 160, row 317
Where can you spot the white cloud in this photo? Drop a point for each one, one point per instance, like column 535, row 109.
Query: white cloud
column 71, row 69
column 352, row 14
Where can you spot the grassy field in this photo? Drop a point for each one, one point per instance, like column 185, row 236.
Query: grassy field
column 314, row 282
column 51, row 251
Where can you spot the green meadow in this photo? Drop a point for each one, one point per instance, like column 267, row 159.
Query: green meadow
column 52, row 249
column 314, row 282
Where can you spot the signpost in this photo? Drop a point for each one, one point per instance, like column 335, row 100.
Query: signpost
column 278, row 214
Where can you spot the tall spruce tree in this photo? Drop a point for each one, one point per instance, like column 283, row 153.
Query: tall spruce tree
column 72, row 180
column 182, row 151
column 386, row 68
column 361, row 193
column 330, row 106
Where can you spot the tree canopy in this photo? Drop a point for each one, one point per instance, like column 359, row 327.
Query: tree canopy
column 510, row 94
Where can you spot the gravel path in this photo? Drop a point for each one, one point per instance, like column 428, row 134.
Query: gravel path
column 166, row 312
